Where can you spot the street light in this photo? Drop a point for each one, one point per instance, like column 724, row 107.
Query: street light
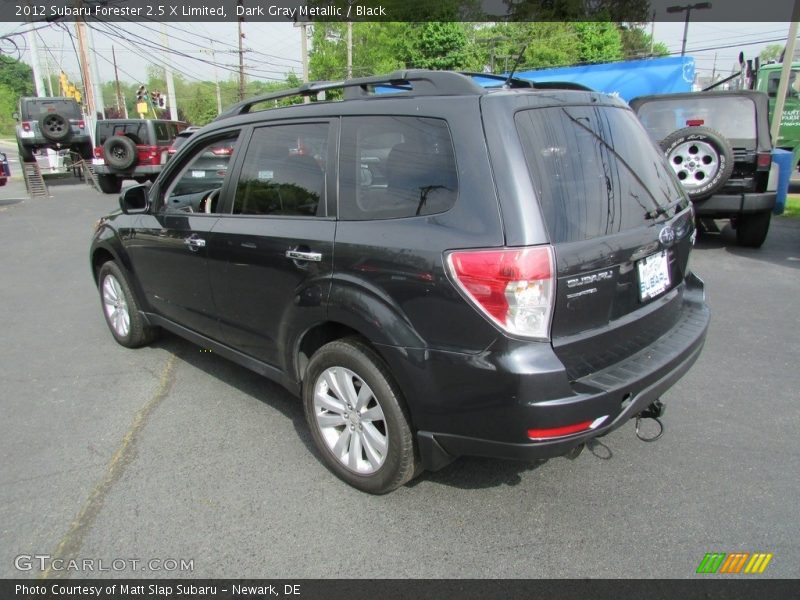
column 688, row 8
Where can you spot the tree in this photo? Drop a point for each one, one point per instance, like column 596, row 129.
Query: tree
column 637, row 43
column 771, row 53
column 16, row 80
column 598, row 42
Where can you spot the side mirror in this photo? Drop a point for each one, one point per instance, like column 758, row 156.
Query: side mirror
column 15, row 116
column 134, row 200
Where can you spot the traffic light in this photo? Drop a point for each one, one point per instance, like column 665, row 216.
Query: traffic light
column 158, row 99
column 141, row 94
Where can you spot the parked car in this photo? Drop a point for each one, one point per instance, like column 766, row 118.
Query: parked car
column 5, row 170
column 718, row 144
column 180, row 139
column 132, row 149
column 511, row 279
column 51, row 123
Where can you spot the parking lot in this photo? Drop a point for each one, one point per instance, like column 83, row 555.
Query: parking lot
column 173, row 453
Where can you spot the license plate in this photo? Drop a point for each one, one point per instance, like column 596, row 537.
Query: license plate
column 26, row 134
column 198, row 173
column 653, row 275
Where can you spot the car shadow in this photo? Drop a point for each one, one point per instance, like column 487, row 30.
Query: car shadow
column 464, row 473
column 781, row 248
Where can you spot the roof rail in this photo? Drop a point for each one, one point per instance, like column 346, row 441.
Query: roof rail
column 419, row 82
column 514, row 82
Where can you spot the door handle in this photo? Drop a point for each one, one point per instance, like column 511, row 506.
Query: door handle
column 309, row 256
column 194, row 242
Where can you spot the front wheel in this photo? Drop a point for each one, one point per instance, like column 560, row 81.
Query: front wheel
column 121, row 309
column 358, row 418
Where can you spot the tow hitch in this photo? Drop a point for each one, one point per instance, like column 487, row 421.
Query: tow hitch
column 654, row 411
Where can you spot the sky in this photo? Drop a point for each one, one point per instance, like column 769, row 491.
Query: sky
column 274, row 48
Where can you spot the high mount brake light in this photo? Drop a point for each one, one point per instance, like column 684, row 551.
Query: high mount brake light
column 514, row 287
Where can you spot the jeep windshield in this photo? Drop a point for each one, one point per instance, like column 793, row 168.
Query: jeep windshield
column 596, row 170
column 732, row 116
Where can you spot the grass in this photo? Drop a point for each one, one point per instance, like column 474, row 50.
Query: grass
column 792, row 206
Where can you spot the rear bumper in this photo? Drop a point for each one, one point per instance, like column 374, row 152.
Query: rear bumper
column 142, row 171
column 483, row 405
column 730, row 205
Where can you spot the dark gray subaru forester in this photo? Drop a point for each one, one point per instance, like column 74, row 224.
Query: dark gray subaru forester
column 438, row 269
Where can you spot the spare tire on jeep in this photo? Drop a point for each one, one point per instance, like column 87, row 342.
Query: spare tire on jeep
column 701, row 158
column 120, row 152
column 54, row 127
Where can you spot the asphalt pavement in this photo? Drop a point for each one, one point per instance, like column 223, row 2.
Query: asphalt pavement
column 171, row 453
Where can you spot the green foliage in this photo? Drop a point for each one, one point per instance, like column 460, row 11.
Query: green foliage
column 636, row 42
column 8, row 105
column 598, row 42
column 16, row 80
column 771, row 53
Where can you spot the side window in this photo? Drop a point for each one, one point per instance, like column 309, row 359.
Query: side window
column 395, row 167
column 284, row 171
column 161, row 131
column 197, row 186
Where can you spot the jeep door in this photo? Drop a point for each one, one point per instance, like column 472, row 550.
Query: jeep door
column 171, row 244
column 276, row 240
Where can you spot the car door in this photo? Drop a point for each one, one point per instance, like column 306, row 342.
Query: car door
column 171, row 244
column 277, row 240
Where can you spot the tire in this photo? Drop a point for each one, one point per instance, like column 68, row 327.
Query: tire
column 3, row 181
column 25, row 154
column 120, row 152
column 121, row 310
column 109, row 184
column 701, row 158
column 373, row 448
column 751, row 229
column 55, row 127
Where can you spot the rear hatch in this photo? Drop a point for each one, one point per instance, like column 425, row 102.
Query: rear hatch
column 620, row 225
column 732, row 114
column 152, row 138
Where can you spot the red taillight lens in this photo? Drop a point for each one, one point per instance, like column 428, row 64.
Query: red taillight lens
column 694, row 122
column 514, row 287
column 764, row 160
column 81, row 124
column 222, row 151
column 26, row 126
column 98, row 152
column 554, row 432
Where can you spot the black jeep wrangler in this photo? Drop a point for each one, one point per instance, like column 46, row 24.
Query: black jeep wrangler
column 132, row 149
column 437, row 268
column 718, row 143
column 54, row 123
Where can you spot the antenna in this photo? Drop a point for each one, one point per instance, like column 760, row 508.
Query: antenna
column 516, row 64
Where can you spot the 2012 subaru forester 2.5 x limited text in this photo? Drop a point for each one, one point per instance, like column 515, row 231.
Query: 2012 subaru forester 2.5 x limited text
column 437, row 268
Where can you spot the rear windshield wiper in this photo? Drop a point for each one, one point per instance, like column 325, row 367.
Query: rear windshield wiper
column 662, row 209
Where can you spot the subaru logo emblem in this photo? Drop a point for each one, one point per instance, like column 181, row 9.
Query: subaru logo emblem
column 667, row 236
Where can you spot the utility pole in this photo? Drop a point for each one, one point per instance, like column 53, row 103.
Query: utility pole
column 687, row 8
column 48, row 77
column 171, row 100
column 783, row 85
column 304, row 53
column 652, row 34
column 240, row 20
column 120, row 101
column 216, row 76
column 37, row 71
column 349, row 50
column 84, row 64
column 94, row 74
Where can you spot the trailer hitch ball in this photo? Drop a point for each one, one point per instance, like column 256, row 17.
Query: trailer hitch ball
column 652, row 412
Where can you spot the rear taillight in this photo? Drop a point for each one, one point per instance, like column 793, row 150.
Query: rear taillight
column 764, row 160
column 81, row 125
column 222, row 151
column 514, row 287
column 26, row 126
column 98, row 152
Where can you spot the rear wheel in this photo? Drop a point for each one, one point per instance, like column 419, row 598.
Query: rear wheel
column 752, row 229
column 121, row 309
column 357, row 417
column 109, row 184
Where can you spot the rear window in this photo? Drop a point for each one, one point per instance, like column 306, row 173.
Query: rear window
column 595, row 170
column 732, row 116
column 35, row 109
column 396, row 167
column 137, row 131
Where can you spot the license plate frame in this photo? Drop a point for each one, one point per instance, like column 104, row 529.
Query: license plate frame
column 654, row 276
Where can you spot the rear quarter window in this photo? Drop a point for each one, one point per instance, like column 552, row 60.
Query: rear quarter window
column 396, row 167
column 595, row 170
